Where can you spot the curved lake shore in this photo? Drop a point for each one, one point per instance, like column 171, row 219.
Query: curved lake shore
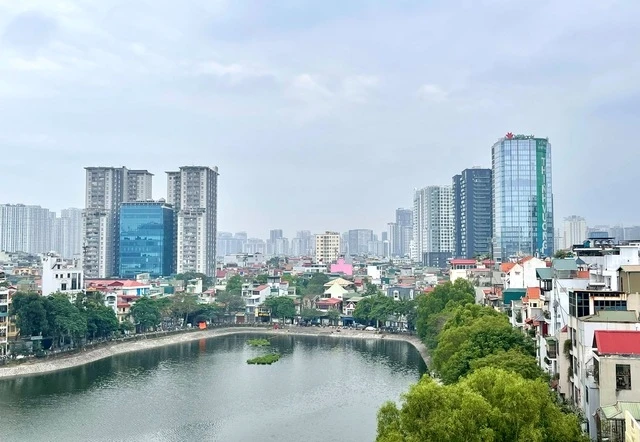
column 36, row 367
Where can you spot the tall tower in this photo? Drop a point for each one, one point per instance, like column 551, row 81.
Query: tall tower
column 404, row 231
column 106, row 188
column 433, row 226
column 472, row 206
column 522, row 197
column 193, row 192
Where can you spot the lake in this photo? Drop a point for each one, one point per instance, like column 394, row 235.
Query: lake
column 322, row 389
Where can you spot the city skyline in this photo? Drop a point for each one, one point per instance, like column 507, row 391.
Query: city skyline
column 263, row 91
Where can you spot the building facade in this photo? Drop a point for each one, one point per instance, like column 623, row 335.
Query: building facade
column 522, row 197
column 146, row 239
column 472, row 207
column 106, row 188
column 358, row 242
column 25, row 228
column 327, row 247
column 433, row 225
column 193, row 193
column 574, row 231
column 60, row 276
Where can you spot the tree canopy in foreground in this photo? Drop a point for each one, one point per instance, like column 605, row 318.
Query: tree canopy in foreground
column 489, row 405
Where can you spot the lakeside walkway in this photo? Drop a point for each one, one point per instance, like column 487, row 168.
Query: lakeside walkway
column 36, row 367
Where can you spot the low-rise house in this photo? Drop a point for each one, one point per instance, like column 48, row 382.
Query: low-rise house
column 338, row 288
column 521, row 274
column 616, row 372
column 326, row 304
column 61, row 276
column 119, row 286
column 254, row 296
column 401, row 292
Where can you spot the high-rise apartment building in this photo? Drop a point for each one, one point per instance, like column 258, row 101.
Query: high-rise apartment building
column 193, row 193
column 401, row 232
column 522, row 197
column 106, row 188
column 302, row 245
column 433, row 226
column 358, row 242
column 472, row 209
column 146, row 239
column 25, row 228
column 574, row 231
column 327, row 247
column 66, row 237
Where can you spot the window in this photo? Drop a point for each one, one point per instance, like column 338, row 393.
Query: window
column 623, row 377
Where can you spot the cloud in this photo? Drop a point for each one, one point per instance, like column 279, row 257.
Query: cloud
column 34, row 64
column 307, row 88
column 359, row 88
column 234, row 72
column 432, row 93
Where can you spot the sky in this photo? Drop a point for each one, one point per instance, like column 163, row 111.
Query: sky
column 321, row 115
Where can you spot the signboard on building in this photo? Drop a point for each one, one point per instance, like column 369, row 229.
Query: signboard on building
column 541, row 191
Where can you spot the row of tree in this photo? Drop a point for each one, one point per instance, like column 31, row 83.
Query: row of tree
column 490, row 387
column 378, row 308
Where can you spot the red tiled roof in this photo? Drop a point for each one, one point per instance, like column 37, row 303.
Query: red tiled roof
column 221, row 274
column 533, row 292
column 525, row 259
column 261, row 288
column 617, row 342
column 583, row 274
column 463, row 261
column 506, row 266
column 328, row 301
column 123, row 304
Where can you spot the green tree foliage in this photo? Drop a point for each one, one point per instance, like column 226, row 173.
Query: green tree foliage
column 489, row 405
column 234, row 285
column 371, row 289
column 206, row 280
column 334, row 316
column 378, row 308
column 514, row 361
column 183, row 305
column 66, row 321
column 102, row 321
column 146, row 313
column 30, row 310
column 282, row 307
column 309, row 314
column 232, row 302
column 274, row 262
column 262, row 279
column 434, row 308
column 315, row 285
column 459, row 346
column 562, row 254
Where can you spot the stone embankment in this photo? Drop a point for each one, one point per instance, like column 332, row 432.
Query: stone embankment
column 114, row 348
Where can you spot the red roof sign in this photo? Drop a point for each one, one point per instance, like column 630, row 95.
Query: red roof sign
column 617, row 342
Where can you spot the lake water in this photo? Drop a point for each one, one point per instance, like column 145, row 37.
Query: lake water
column 322, row 389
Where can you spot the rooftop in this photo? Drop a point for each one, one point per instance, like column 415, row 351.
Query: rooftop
column 617, row 342
column 630, row 268
column 612, row 316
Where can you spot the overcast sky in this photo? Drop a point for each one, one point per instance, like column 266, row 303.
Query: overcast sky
column 319, row 114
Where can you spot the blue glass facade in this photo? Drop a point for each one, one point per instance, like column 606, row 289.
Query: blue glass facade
column 146, row 239
column 522, row 197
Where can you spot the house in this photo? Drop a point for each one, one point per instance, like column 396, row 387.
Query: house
column 521, row 274
column 349, row 306
column 61, row 276
column 404, row 292
column 253, row 296
column 119, row 286
column 341, row 267
column 616, row 372
column 338, row 288
column 326, row 304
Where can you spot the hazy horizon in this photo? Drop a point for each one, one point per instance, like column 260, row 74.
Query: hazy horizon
column 319, row 115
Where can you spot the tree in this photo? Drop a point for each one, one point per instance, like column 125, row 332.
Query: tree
column 444, row 298
column 371, row 289
column 563, row 254
column 234, row 285
column 274, row 262
column 146, row 313
column 514, row 361
column 309, row 314
column 375, row 309
column 66, row 321
column 489, row 405
column 31, row 313
column 334, row 316
column 315, row 285
column 262, row 279
column 206, row 280
column 281, row 307
column 101, row 320
column 486, row 335
column 183, row 305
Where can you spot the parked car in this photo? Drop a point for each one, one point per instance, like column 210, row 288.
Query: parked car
column 370, row 328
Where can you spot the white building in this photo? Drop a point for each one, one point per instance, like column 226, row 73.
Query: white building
column 574, row 231
column 25, row 228
column 193, row 192
column 4, row 321
column 433, row 224
column 61, row 276
column 327, row 247
column 106, row 188
column 522, row 274
column 604, row 259
column 66, row 236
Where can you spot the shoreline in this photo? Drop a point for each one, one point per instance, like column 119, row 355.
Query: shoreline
column 49, row 366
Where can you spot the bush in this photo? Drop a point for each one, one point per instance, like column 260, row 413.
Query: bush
column 264, row 360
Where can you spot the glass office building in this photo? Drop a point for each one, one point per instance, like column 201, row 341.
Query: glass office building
column 146, row 239
column 472, row 208
column 522, row 197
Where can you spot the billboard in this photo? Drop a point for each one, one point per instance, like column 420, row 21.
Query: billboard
column 541, row 190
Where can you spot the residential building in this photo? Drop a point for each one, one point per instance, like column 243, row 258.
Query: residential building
column 193, row 193
column 4, row 321
column 574, row 231
column 25, row 228
column 522, row 273
column 616, row 375
column 433, row 226
column 522, row 197
column 302, row 245
column 358, row 242
column 146, row 239
column 254, row 246
column 327, row 247
column 230, row 244
column 61, row 276
column 277, row 244
column 632, row 233
column 67, row 234
column 472, row 208
column 341, row 266
column 106, row 188
column 254, row 296
column 603, row 258
column 401, row 292
column 400, row 233
column 338, row 288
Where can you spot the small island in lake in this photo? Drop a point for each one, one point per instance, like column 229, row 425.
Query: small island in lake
column 259, row 342
column 264, row 360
